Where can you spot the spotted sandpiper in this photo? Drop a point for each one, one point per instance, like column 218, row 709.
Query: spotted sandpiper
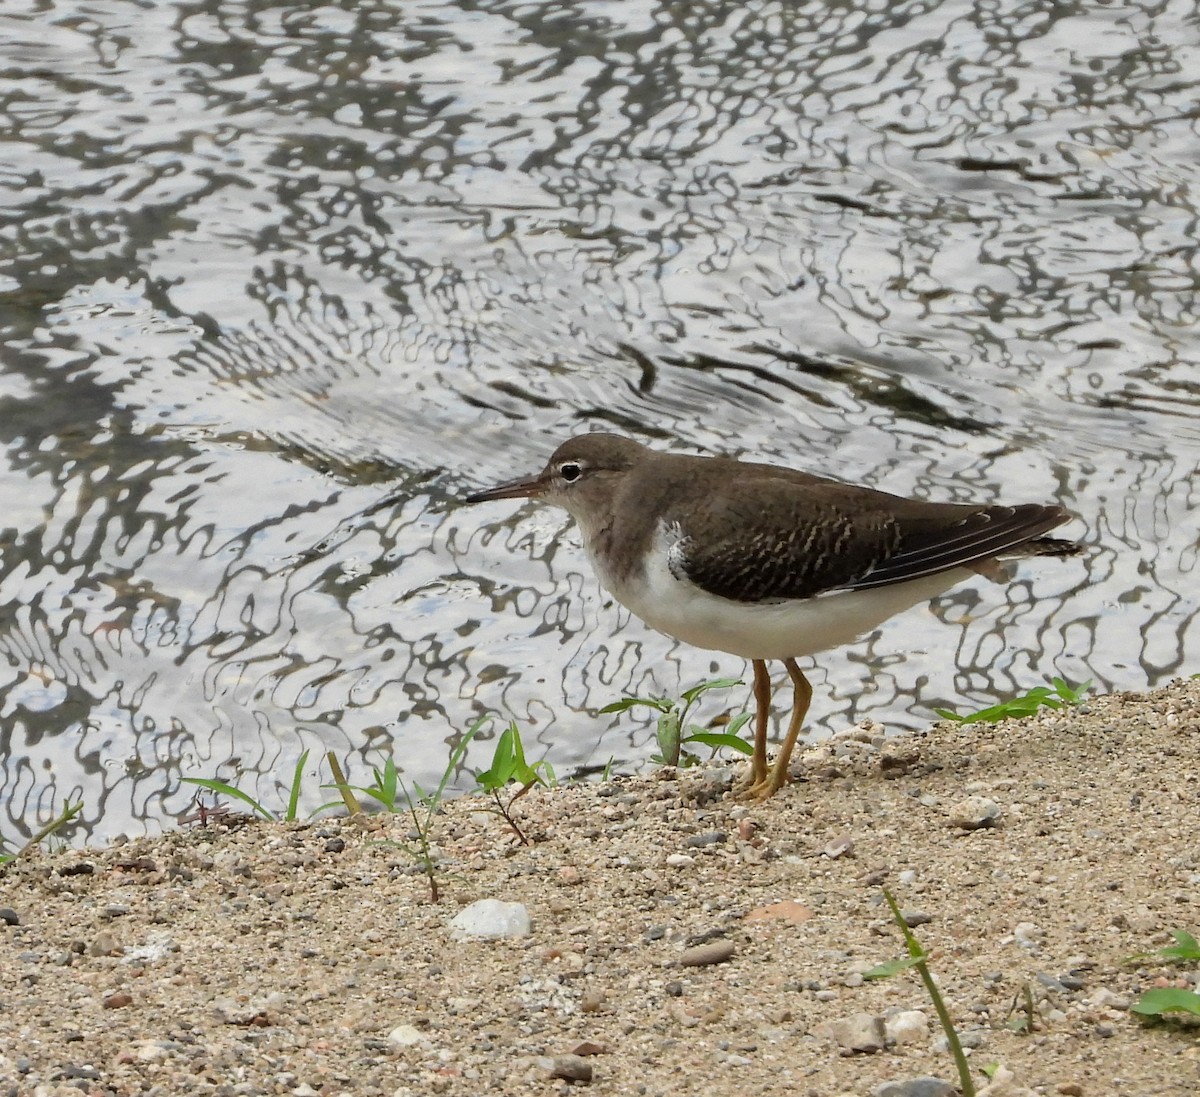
column 768, row 562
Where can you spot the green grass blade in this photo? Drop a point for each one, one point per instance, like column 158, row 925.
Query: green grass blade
column 225, row 789
column 893, row 967
column 297, row 780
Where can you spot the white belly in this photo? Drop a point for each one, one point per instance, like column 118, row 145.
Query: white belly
column 765, row 630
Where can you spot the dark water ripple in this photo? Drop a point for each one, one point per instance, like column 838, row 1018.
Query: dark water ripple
column 262, row 267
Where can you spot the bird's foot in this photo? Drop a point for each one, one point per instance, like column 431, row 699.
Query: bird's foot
column 764, row 787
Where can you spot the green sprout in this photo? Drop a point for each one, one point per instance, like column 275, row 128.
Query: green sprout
column 70, row 810
column 918, row 959
column 673, row 733
column 223, row 788
column 509, row 767
column 1059, row 694
column 1162, row 1000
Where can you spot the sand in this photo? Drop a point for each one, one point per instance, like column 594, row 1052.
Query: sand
column 680, row 941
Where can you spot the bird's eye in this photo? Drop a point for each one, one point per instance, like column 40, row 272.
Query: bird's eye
column 570, row 471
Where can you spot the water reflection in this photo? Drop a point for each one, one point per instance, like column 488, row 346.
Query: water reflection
column 264, row 266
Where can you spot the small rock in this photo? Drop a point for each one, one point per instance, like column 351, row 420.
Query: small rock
column 587, row 1048
column 906, row 1027
column 405, row 1036
column 862, row 1032
column 592, row 1001
column 975, row 813
column 9, row 916
column 1028, row 934
column 837, row 847
column 118, row 1000
column 972, row 1038
column 335, row 845
column 898, row 763
column 490, row 918
column 1103, row 998
column 149, row 1051
column 1003, row 1084
column 104, row 944
column 1069, row 1089
column 573, row 1068
column 788, row 911
column 679, row 860
column 924, row 1086
column 913, row 918
column 711, row 952
column 711, row 838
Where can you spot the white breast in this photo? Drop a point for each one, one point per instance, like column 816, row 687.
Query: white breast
column 760, row 630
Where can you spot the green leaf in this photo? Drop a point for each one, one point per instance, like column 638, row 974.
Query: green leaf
column 509, row 764
column 228, row 790
column 1056, row 696
column 1167, row 1000
column 690, row 695
column 1186, row 947
column 297, row 779
column 893, row 967
column 719, row 739
column 737, row 723
column 662, row 704
column 668, row 736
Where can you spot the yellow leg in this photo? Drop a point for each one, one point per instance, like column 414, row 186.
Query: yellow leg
column 762, row 702
column 759, row 771
column 770, row 783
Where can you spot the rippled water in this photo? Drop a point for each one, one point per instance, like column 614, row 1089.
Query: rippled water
column 264, row 265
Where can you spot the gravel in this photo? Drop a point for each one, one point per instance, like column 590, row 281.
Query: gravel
column 679, row 941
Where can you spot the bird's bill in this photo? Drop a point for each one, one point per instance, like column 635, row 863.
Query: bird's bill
column 528, row 487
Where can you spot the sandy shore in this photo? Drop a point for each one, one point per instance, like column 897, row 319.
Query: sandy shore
column 681, row 942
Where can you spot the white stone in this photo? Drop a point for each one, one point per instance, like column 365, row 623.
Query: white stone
column 907, row 1027
column 405, row 1036
column 490, row 918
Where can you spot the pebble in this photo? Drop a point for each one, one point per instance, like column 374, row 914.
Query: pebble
column 840, row 846
column 1103, row 998
column 1003, row 1084
column 906, row 1027
column 405, row 1036
column 118, row 1000
column 924, row 1086
column 491, row 919
column 974, row 813
column 574, row 1068
column 913, row 918
column 1028, row 934
column 973, row 1038
column 711, row 952
column 861, row 1032
column 103, row 944
column 711, row 838
column 9, row 916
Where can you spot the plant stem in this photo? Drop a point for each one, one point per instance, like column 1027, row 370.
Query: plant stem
column 915, row 950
